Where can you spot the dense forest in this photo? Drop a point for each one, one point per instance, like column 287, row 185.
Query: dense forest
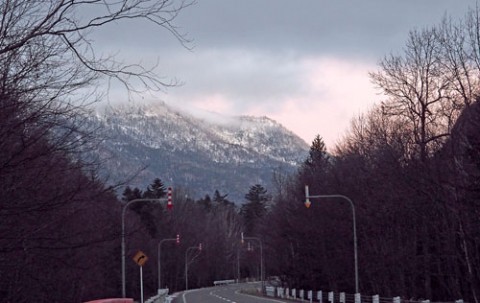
column 411, row 166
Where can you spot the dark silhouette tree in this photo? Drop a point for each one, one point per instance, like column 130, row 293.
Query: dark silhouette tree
column 206, row 202
column 460, row 171
column 63, row 224
column 417, row 91
column 255, row 209
column 315, row 168
column 220, row 200
column 155, row 190
column 57, row 221
column 130, row 194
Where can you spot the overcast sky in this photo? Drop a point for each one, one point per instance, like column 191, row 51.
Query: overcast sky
column 303, row 63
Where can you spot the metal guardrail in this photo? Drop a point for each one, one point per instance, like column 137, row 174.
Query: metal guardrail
column 161, row 297
column 332, row 297
column 223, row 282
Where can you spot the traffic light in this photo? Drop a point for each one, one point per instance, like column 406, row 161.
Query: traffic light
column 307, row 198
column 178, row 239
column 242, row 238
column 169, row 198
column 200, row 246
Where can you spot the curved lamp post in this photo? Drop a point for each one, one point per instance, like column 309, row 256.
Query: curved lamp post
column 199, row 247
column 123, row 236
column 261, row 256
column 177, row 240
column 308, row 203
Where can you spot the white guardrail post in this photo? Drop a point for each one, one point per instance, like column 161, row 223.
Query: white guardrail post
column 270, row 291
column 302, row 295
column 330, row 297
column 160, row 297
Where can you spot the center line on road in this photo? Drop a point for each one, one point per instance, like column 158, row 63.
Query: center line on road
column 222, row 298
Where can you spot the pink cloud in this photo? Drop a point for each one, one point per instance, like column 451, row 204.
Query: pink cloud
column 336, row 91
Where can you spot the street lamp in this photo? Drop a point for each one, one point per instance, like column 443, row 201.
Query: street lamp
column 199, row 247
column 123, row 236
column 308, row 203
column 238, row 265
column 177, row 240
column 261, row 256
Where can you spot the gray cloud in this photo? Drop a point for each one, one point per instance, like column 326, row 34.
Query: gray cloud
column 254, row 54
column 244, row 77
column 340, row 27
column 326, row 26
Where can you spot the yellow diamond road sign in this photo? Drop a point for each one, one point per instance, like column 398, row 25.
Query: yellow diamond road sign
column 140, row 258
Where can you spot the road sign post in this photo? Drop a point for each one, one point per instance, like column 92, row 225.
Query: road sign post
column 140, row 258
column 123, row 235
column 141, row 284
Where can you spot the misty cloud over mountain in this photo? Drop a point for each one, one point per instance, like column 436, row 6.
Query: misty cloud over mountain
column 200, row 152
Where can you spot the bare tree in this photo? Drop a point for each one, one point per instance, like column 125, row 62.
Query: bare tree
column 50, row 70
column 459, row 47
column 417, row 90
column 46, row 45
column 52, row 216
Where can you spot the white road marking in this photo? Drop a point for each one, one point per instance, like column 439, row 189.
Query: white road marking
column 238, row 292
column 220, row 297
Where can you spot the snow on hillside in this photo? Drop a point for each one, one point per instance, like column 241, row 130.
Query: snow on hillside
column 188, row 148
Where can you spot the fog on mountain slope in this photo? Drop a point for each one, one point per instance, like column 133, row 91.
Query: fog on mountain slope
column 201, row 154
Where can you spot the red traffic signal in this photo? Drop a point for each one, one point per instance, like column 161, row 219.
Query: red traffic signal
column 169, row 198
column 307, row 198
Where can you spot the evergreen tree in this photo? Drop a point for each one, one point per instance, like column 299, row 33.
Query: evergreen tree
column 318, row 157
column 155, row 190
column 255, row 209
column 130, row 194
column 206, row 203
column 148, row 211
column 220, row 199
column 315, row 168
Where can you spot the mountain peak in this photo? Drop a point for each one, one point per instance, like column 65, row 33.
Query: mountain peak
column 203, row 151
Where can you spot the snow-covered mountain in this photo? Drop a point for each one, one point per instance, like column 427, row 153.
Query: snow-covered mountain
column 201, row 153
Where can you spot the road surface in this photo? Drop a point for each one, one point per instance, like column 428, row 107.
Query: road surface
column 224, row 294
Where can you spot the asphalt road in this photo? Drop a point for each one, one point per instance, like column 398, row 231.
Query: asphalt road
column 223, row 294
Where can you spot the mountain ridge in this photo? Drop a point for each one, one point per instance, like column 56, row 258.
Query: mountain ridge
column 202, row 153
